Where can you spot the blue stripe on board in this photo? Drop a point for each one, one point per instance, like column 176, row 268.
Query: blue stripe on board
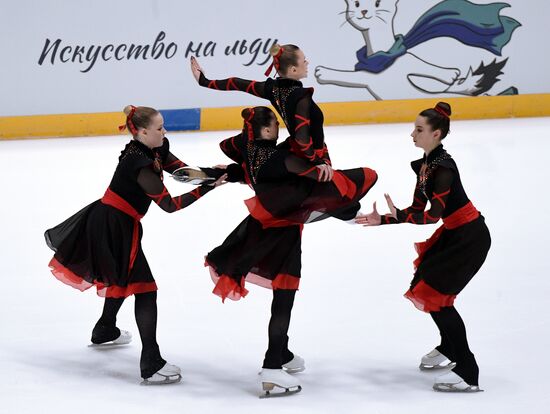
column 181, row 119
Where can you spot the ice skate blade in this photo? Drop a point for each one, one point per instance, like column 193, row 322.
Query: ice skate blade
column 191, row 175
column 294, row 370
column 426, row 367
column 167, row 380
column 108, row 345
column 444, row 387
column 268, row 387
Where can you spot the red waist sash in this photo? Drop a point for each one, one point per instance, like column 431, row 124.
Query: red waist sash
column 461, row 216
column 114, row 200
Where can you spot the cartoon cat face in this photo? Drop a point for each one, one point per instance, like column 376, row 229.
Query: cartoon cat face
column 370, row 14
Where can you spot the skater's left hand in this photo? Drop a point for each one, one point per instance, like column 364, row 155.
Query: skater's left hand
column 325, row 172
column 196, row 68
column 220, row 166
column 371, row 219
column 393, row 210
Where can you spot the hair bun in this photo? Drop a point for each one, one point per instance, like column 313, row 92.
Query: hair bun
column 127, row 109
column 275, row 49
column 245, row 113
column 444, row 107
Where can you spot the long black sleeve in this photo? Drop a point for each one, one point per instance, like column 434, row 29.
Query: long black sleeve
column 153, row 186
column 416, row 214
column 234, row 84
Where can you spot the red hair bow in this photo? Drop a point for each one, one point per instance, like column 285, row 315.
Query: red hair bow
column 129, row 122
column 275, row 62
column 248, row 125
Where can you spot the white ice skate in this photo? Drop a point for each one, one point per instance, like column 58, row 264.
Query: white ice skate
column 168, row 374
column 435, row 360
column 297, row 364
column 451, row 382
column 191, row 175
column 277, row 378
column 124, row 338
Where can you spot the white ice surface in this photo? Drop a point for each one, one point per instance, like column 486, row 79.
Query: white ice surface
column 361, row 339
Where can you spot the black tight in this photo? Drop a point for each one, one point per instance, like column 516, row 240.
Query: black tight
column 454, row 344
column 105, row 329
column 277, row 352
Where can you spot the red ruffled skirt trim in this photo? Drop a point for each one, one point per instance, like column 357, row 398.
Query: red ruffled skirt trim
column 227, row 287
column 69, row 278
column 427, row 299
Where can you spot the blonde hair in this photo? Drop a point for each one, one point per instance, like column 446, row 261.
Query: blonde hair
column 285, row 59
column 138, row 117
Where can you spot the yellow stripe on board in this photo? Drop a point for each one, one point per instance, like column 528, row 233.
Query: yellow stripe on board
column 63, row 125
column 336, row 113
column 482, row 107
column 342, row 113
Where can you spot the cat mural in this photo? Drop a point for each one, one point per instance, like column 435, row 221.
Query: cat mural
column 386, row 54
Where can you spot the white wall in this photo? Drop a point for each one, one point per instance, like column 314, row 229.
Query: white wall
column 27, row 88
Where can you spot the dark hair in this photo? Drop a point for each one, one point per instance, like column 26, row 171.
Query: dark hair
column 257, row 118
column 439, row 117
column 140, row 118
column 286, row 59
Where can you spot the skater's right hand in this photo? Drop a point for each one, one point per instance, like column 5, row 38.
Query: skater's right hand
column 325, row 172
column 196, row 68
column 371, row 219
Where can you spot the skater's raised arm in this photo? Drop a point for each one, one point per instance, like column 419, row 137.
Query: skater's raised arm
column 230, row 84
column 153, row 186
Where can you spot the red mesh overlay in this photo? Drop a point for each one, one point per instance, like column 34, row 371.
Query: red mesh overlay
column 227, row 287
column 69, row 278
column 427, row 299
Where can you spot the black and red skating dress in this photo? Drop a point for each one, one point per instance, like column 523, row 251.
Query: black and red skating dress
column 101, row 244
column 303, row 119
column 265, row 248
column 449, row 259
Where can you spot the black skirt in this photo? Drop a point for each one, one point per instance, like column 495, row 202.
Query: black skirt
column 449, row 264
column 269, row 257
column 101, row 246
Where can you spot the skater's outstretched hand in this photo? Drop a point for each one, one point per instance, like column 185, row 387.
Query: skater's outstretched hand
column 325, row 172
column 219, row 181
column 393, row 210
column 371, row 219
column 196, row 68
